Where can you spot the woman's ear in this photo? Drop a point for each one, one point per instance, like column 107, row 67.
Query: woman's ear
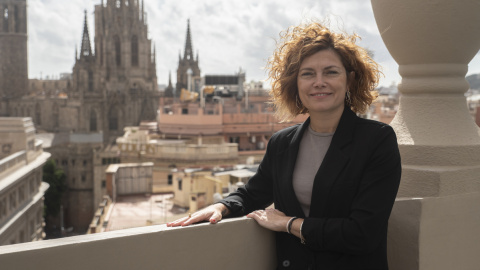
column 351, row 76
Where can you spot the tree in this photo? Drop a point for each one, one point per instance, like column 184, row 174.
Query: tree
column 56, row 178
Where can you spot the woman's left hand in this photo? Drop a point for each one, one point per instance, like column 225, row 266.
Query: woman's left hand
column 271, row 219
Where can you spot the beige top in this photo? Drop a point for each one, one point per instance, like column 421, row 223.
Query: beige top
column 312, row 150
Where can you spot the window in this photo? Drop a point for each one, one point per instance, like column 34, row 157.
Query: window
column 170, row 179
column 38, row 114
column 185, row 111
column 3, row 207
column 32, row 227
column 21, row 236
column 5, row 19
column 113, row 119
column 21, row 194
column 118, row 52
column 13, row 200
column 93, row 121
column 107, row 161
column 17, row 19
column 85, row 162
column 179, row 183
column 55, row 115
column 101, row 51
column 104, row 183
column 234, row 139
column 32, row 185
column 73, row 162
column 90, row 81
column 84, row 178
column 134, row 51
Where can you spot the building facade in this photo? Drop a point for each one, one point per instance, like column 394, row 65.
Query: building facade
column 113, row 84
column 21, row 186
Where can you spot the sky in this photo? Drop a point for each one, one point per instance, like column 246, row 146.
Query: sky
column 227, row 35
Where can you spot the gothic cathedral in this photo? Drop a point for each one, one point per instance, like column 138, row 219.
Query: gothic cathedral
column 118, row 84
column 113, row 85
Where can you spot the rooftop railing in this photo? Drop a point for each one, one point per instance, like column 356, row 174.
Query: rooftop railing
column 231, row 244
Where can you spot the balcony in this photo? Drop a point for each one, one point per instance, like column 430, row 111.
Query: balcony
column 201, row 246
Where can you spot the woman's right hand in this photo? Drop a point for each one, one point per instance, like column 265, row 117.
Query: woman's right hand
column 212, row 213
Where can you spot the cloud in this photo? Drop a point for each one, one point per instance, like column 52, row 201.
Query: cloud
column 226, row 34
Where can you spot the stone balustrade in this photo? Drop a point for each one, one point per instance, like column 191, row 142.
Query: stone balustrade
column 12, row 162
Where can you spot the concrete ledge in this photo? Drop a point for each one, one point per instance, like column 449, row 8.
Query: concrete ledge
column 434, row 181
column 435, row 233
column 231, row 244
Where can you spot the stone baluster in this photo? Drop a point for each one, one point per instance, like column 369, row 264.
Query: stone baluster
column 435, row 223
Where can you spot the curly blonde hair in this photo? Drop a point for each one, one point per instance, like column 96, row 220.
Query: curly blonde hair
column 299, row 42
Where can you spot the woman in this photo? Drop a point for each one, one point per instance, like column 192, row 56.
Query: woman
column 334, row 178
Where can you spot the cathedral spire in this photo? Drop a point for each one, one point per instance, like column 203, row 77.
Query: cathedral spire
column 86, row 49
column 169, row 89
column 143, row 11
column 154, row 54
column 188, row 44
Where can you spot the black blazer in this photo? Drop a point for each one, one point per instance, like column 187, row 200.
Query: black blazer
column 353, row 195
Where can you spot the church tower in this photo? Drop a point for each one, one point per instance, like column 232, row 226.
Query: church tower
column 117, row 83
column 188, row 62
column 13, row 50
column 84, row 68
column 169, row 89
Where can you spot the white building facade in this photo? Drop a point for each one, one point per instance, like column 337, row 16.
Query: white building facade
column 21, row 186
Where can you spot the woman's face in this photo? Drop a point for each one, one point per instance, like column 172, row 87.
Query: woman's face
column 322, row 83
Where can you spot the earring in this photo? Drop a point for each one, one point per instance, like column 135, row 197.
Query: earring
column 296, row 103
column 347, row 97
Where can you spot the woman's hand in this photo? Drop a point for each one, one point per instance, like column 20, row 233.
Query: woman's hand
column 212, row 213
column 271, row 219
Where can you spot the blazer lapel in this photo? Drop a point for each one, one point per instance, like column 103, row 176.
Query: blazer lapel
column 333, row 164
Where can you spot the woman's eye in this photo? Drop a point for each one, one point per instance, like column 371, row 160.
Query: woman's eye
column 306, row 74
column 331, row 72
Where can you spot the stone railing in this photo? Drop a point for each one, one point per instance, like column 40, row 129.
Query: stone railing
column 231, row 244
column 12, row 162
column 197, row 152
column 96, row 225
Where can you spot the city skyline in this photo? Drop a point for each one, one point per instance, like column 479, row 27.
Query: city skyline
column 248, row 29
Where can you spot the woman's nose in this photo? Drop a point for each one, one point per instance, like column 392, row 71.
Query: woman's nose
column 319, row 81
